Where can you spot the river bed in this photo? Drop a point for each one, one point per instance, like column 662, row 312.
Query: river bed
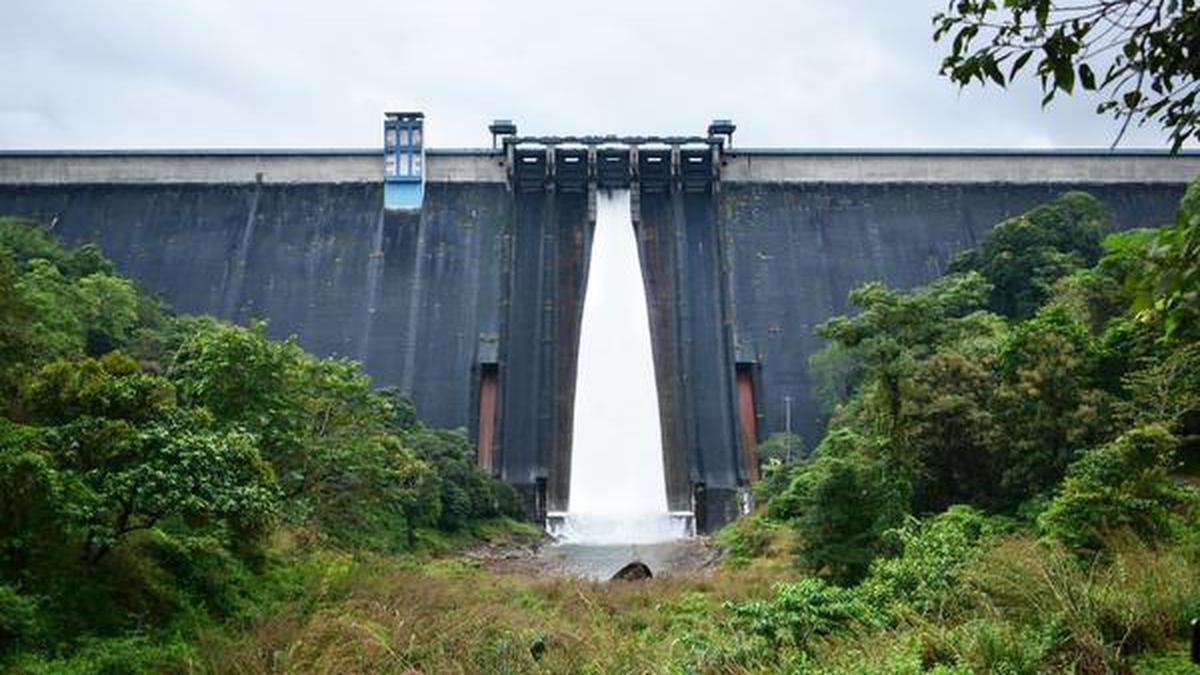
column 694, row 555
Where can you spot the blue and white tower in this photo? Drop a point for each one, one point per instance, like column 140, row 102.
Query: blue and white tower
column 404, row 160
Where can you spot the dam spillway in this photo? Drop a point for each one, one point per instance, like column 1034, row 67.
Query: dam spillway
column 472, row 302
column 618, row 487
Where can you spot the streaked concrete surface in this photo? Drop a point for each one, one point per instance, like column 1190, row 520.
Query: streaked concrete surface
column 272, row 167
column 957, row 167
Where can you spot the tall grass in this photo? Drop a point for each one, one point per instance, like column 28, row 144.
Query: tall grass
column 1019, row 607
column 1031, row 607
column 1098, row 610
column 449, row 616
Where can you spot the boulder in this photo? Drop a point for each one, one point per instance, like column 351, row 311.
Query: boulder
column 634, row 571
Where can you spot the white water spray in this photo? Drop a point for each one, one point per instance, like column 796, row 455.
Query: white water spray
column 618, row 489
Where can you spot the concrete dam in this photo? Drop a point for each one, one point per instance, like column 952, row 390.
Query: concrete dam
column 458, row 276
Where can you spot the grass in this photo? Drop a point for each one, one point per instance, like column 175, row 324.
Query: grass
column 1023, row 606
column 451, row 616
column 1031, row 608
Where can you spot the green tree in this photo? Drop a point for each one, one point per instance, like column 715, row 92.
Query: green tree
column 59, row 330
column 953, row 436
column 466, row 492
column 26, row 241
column 136, row 489
column 20, row 623
column 1166, row 391
column 363, row 481
column 16, row 319
column 1139, row 56
column 32, row 505
column 1023, row 257
column 125, row 458
column 778, row 456
column 837, row 371
column 334, row 442
column 840, row 501
column 1091, row 297
column 112, row 386
column 925, row 385
column 1047, row 398
column 109, row 306
column 135, row 479
column 248, row 381
column 786, row 448
column 895, row 329
column 76, row 298
column 1168, row 292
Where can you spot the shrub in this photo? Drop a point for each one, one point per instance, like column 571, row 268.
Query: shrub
column 20, row 623
column 924, row 576
column 746, row 539
column 117, row 656
column 840, row 502
column 466, row 492
column 1123, row 485
column 800, row 612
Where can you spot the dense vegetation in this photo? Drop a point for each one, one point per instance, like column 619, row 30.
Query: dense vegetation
column 148, row 459
column 1007, row 484
column 1012, row 455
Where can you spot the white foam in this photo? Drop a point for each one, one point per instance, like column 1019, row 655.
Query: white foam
column 605, row 529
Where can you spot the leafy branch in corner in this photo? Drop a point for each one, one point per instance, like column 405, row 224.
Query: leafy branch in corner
column 1142, row 57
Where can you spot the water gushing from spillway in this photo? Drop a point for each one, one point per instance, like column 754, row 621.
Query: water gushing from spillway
column 618, row 490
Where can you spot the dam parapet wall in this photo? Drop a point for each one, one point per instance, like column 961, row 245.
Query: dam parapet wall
column 232, row 167
column 955, row 167
column 766, row 166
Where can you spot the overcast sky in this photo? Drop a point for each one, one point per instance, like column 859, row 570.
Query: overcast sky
column 306, row 73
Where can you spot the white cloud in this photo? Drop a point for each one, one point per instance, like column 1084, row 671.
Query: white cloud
column 112, row 73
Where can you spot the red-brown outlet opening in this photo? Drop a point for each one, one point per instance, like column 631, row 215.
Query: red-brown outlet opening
column 748, row 421
column 488, row 376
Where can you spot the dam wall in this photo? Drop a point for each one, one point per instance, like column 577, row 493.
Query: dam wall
column 544, row 284
column 410, row 294
column 472, row 303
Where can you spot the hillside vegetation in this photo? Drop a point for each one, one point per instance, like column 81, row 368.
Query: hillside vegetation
column 1007, row 484
column 150, row 464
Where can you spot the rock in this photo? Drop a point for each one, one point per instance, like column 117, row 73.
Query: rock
column 538, row 649
column 634, row 571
